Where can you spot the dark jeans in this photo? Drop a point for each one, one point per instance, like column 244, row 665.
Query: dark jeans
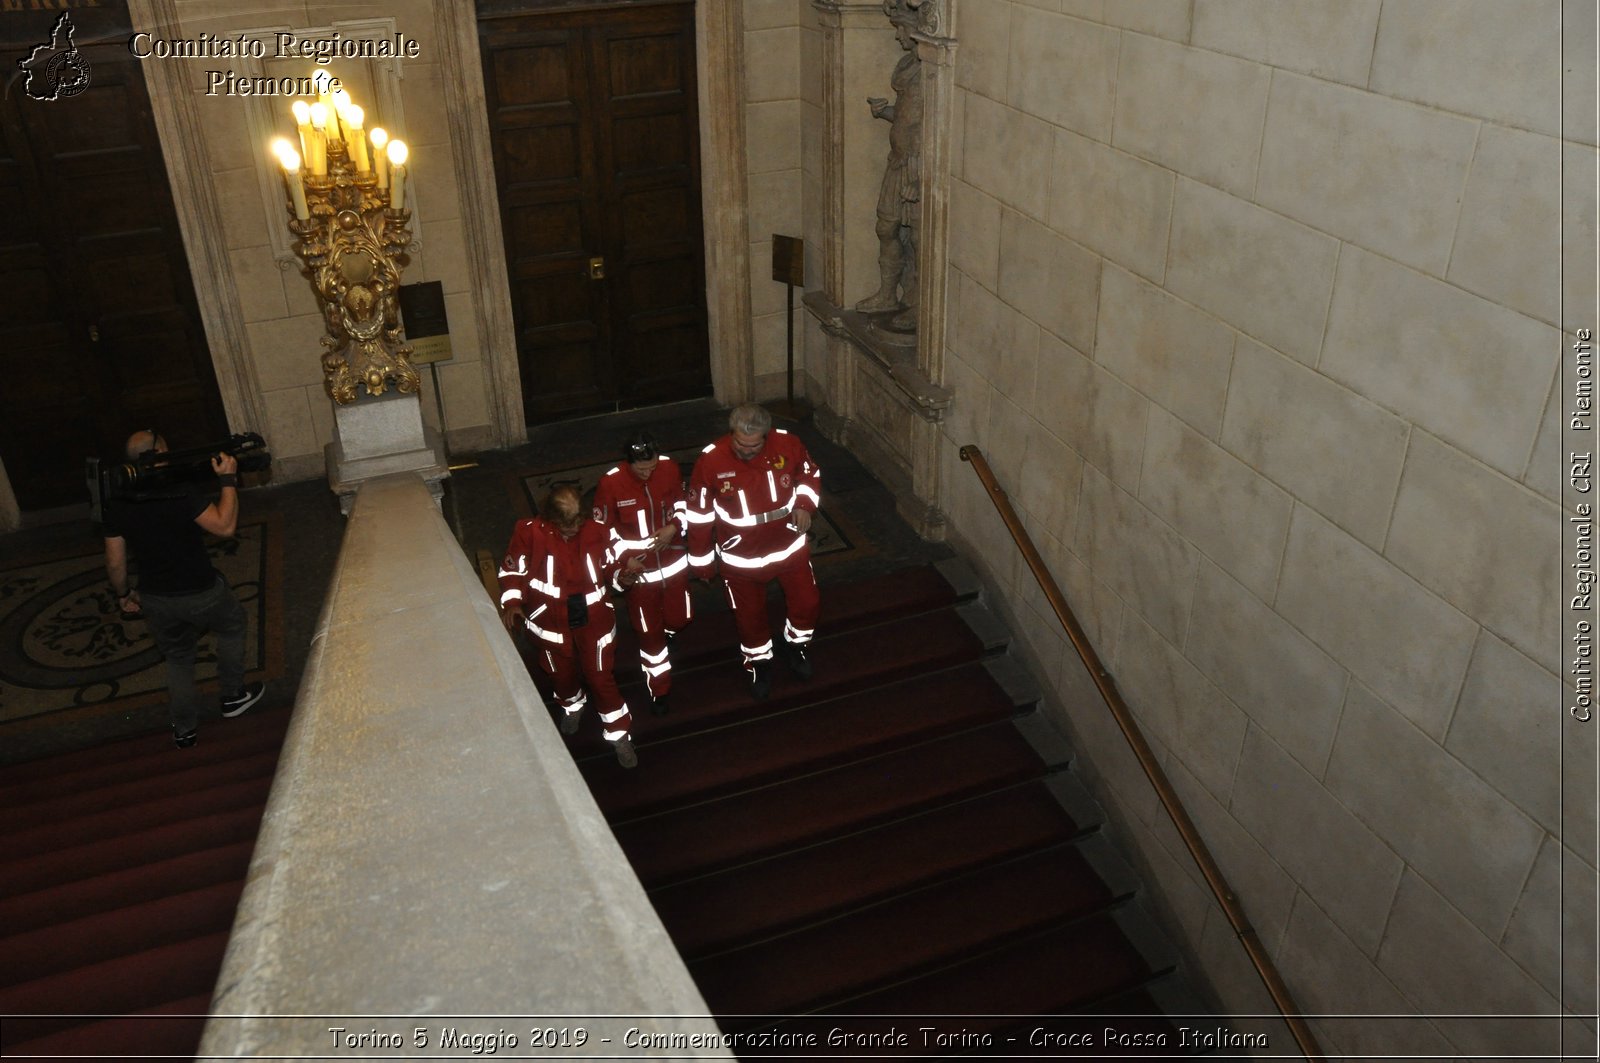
column 176, row 623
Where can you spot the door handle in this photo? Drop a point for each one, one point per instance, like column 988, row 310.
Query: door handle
column 597, row 268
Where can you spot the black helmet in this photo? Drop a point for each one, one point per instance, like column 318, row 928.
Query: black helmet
column 641, row 446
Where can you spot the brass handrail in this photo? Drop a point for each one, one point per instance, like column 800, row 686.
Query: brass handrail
column 1147, row 760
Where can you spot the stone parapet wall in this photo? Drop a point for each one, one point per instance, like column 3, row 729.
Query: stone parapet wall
column 430, row 849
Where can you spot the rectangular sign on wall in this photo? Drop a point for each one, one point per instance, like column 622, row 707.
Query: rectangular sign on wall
column 789, row 260
column 427, row 328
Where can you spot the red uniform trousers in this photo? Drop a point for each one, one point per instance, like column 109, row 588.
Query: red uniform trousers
column 747, row 593
column 589, row 665
column 656, row 611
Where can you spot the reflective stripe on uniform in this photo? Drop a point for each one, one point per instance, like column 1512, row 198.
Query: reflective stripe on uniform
column 667, row 571
column 751, row 520
column 619, row 545
column 552, row 637
column 767, row 559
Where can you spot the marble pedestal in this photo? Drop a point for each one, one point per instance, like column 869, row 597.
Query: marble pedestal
column 381, row 436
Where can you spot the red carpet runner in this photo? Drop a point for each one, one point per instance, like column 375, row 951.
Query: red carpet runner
column 883, row 840
column 897, row 837
column 120, row 870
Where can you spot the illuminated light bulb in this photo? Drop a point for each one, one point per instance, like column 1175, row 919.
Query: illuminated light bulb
column 291, row 177
column 398, row 153
column 352, row 118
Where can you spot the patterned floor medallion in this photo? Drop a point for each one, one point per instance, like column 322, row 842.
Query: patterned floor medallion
column 65, row 645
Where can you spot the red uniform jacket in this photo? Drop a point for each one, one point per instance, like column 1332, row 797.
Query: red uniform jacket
column 541, row 571
column 633, row 510
column 739, row 510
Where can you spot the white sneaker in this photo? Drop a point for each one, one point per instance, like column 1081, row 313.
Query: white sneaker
column 240, row 703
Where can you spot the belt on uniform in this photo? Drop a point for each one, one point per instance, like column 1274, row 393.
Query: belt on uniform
column 776, row 514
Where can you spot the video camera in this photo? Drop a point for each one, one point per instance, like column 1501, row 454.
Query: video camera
column 168, row 474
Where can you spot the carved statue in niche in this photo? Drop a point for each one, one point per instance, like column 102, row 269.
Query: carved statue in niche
column 899, row 221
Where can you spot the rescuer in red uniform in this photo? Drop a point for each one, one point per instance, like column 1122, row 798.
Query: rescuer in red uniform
column 641, row 503
column 750, row 504
column 553, row 581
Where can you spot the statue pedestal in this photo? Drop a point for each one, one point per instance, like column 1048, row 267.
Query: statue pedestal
column 380, row 436
column 890, row 411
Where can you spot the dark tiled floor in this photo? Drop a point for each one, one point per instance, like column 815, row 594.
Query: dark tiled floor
column 481, row 504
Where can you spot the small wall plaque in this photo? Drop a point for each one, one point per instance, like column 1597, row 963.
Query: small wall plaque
column 427, row 328
column 789, row 260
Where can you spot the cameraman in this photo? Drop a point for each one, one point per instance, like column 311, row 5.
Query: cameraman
column 179, row 593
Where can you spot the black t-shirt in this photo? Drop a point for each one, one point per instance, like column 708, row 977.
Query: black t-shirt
column 166, row 542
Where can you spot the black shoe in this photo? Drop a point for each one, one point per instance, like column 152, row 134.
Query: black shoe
column 625, row 752
column 570, row 722
column 799, row 660
column 240, row 703
column 661, row 706
column 761, row 680
column 184, row 741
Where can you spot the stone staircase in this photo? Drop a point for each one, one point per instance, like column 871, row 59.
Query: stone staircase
column 900, row 836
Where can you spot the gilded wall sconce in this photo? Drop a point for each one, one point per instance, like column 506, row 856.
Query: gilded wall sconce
column 346, row 200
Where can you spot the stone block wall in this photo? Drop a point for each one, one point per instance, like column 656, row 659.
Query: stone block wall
column 773, row 109
column 1257, row 312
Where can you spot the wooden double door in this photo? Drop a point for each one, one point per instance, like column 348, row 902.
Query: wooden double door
column 100, row 332
column 594, row 121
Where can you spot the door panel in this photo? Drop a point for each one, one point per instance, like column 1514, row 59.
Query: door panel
column 593, row 118
column 539, row 119
column 100, row 331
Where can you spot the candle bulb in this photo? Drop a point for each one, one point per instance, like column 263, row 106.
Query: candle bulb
column 322, row 80
column 397, row 174
column 353, row 118
column 380, row 158
column 336, row 119
column 319, row 155
column 302, row 121
column 291, row 177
